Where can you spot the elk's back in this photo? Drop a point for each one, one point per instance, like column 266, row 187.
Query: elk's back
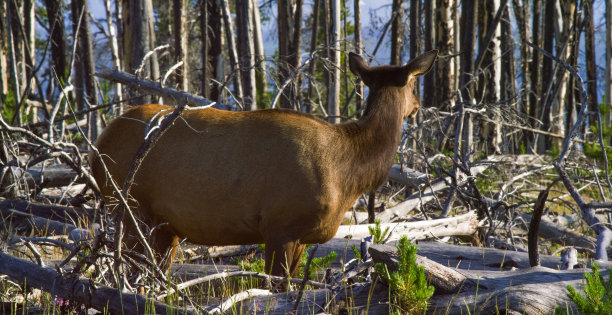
column 221, row 178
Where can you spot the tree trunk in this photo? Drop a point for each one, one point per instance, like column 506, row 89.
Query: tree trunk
column 445, row 43
column 136, row 43
column 333, row 93
column 359, row 50
column 536, row 63
column 468, row 33
column 205, row 44
column 508, row 77
column 396, row 33
column 521, row 14
column 573, row 93
column 179, row 8
column 85, row 65
column 233, row 54
column 285, row 53
column 16, row 56
column 548, row 85
column 608, row 76
column 114, row 50
column 316, row 12
column 490, row 69
column 591, row 66
column 55, row 14
column 246, row 53
column 4, row 52
column 565, row 13
column 430, row 35
column 260, row 56
column 215, row 54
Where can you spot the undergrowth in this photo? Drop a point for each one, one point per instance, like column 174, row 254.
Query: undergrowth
column 410, row 292
column 598, row 291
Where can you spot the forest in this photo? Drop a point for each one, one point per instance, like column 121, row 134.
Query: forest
column 501, row 178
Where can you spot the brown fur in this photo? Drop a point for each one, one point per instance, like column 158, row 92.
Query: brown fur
column 272, row 176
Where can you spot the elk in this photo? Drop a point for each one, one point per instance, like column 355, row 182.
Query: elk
column 278, row 177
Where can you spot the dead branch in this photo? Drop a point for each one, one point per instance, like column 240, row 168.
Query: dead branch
column 152, row 87
column 461, row 225
column 70, row 287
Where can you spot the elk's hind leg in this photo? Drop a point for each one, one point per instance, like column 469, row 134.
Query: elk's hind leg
column 283, row 258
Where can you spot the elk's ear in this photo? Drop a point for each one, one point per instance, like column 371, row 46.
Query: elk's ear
column 421, row 64
column 357, row 65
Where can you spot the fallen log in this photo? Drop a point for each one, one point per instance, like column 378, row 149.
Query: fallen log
column 402, row 209
column 536, row 290
column 53, row 212
column 461, row 225
column 407, row 176
column 101, row 298
column 58, row 175
column 444, row 279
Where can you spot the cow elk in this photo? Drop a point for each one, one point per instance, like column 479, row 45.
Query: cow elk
column 278, row 177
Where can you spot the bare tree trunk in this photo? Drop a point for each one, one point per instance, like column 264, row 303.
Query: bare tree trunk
column 114, row 50
column 180, row 43
column 152, row 39
column 490, row 67
column 333, row 94
column 565, row 14
column 233, row 54
column 521, row 14
column 608, row 88
column 468, row 33
column 396, row 33
column 16, row 57
column 573, row 99
column 136, row 43
column 260, row 56
column 84, row 61
column 445, row 42
column 591, row 66
column 215, row 53
column 545, row 143
column 204, row 89
column 55, row 14
column 316, row 12
column 415, row 25
column 430, row 92
column 536, row 63
column 246, row 53
column 359, row 50
column 4, row 52
column 508, row 76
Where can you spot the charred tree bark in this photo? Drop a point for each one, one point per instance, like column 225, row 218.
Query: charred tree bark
column 545, row 143
column 430, row 35
column 358, row 49
column 55, row 14
column 232, row 52
column 536, row 62
column 179, row 8
column 260, row 56
column 445, row 42
column 468, row 33
column 4, row 52
column 589, row 56
column 86, row 89
column 396, row 33
column 215, row 55
column 521, row 13
column 136, row 43
column 316, row 12
column 246, row 53
column 333, row 93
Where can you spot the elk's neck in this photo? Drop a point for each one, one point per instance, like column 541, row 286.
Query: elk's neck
column 373, row 140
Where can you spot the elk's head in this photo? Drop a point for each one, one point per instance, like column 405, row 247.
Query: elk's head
column 401, row 77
